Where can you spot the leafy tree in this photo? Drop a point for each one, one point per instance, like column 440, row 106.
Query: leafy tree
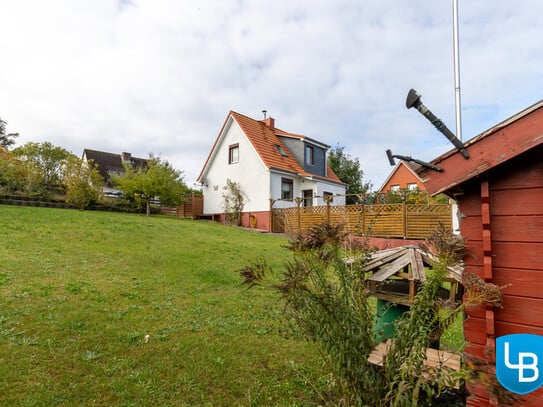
column 348, row 170
column 43, row 165
column 6, row 140
column 234, row 201
column 11, row 172
column 158, row 179
column 82, row 182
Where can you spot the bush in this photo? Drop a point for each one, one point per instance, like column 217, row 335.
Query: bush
column 326, row 301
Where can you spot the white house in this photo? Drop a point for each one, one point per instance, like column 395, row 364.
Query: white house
column 272, row 166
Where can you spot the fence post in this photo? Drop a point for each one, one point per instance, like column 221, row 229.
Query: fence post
column 362, row 218
column 298, row 215
column 328, row 200
column 272, row 201
column 404, row 216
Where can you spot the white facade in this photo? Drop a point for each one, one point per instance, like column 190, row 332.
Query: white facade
column 319, row 188
column 259, row 183
column 250, row 172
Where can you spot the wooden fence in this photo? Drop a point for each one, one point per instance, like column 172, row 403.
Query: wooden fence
column 191, row 208
column 400, row 220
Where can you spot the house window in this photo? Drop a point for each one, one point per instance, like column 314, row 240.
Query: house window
column 308, row 197
column 233, row 154
column 286, row 188
column 412, row 186
column 309, row 155
column 395, row 188
column 328, row 197
column 281, row 150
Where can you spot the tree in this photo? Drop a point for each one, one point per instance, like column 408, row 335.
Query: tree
column 43, row 165
column 158, row 179
column 82, row 182
column 234, row 201
column 11, row 172
column 348, row 170
column 6, row 140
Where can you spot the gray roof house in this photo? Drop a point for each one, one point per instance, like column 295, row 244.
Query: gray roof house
column 110, row 164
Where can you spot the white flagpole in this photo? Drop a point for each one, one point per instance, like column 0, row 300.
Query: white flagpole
column 456, row 72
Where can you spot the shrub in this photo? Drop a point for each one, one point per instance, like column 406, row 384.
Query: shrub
column 233, row 201
column 326, row 301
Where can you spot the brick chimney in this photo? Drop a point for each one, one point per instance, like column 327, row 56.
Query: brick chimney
column 126, row 157
column 270, row 122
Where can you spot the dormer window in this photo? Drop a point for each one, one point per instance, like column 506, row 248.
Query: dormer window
column 309, row 155
column 233, row 154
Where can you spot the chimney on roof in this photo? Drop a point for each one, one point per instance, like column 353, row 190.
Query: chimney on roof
column 126, row 157
column 268, row 121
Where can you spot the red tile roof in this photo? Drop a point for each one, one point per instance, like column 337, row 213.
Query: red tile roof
column 264, row 140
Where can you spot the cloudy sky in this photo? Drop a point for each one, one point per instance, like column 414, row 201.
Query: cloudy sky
column 159, row 76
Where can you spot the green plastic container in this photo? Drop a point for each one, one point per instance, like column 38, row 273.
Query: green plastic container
column 387, row 314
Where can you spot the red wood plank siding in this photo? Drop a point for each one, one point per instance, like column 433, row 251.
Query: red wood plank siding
column 499, row 190
column 527, row 282
column 503, row 225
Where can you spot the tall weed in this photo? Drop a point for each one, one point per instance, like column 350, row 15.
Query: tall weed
column 326, row 301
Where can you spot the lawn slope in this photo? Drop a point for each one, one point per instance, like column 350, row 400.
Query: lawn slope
column 102, row 308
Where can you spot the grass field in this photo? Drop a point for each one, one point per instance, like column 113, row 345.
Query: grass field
column 111, row 309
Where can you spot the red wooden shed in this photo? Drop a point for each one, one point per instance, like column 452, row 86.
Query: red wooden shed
column 499, row 190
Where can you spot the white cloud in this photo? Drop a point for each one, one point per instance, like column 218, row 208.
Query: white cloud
column 160, row 76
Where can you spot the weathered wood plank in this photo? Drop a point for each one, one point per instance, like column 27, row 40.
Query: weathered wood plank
column 419, row 266
column 386, row 257
column 527, row 283
column 475, row 330
column 390, row 269
column 515, row 202
column 435, row 359
column 518, row 255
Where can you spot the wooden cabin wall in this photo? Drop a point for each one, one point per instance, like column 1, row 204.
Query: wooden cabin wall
column 516, row 230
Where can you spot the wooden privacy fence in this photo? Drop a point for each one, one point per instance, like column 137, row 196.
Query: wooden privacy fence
column 191, row 208
column 401, row 220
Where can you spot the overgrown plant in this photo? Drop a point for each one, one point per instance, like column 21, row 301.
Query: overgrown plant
column 326, row 301
column 234, row 201
column 82, row 182
column 409, row 380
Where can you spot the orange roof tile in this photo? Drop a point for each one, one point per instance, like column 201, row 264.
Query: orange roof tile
column 264, row 141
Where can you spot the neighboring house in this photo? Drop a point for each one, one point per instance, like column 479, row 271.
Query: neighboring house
column 403, row 177
column 272, row 166
column 110, row 164
column 499, row 190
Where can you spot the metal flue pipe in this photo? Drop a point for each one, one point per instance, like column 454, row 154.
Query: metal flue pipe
column 413, row 100
column 391, row 158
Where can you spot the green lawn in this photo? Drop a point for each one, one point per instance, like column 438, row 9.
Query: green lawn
column 81, row 291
